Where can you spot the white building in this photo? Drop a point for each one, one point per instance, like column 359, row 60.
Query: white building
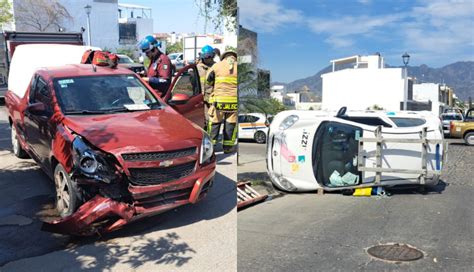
column 363, row 83
column 104, row 21
column 135, row 23
column 435, row 94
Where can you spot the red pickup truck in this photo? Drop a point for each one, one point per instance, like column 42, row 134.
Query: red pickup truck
column 116, row 151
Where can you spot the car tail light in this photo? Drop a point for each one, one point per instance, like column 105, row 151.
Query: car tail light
column 451, row 125
column 267, row 124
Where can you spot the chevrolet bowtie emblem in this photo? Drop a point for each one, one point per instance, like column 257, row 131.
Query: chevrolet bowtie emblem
column 166, row 163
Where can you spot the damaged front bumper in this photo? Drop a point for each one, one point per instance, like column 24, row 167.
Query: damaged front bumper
column 102, row 214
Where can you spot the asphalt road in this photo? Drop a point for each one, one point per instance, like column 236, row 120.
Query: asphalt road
column 251, row 158
column 199, row 237
column 309, row 232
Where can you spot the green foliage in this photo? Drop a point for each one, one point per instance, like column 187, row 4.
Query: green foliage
column 375, row 107
column 176, row 47
column 217, row 11
column 262, row 105
column 129, row 51
column 5, row 12
column 246, row 77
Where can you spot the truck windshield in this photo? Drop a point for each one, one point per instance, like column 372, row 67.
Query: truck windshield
column 103, row 94
column 451, row 117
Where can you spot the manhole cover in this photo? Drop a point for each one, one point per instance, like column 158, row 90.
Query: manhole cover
column 395, row 252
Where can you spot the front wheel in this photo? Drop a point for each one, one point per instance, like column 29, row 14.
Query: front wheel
column 469, row 138
column 260, row 137
column 67, row 195
column 16, row 146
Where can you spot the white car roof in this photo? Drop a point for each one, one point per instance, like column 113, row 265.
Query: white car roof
column 28, row 58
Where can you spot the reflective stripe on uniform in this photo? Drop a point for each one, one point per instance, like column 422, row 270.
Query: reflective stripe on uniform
column 230, row 80
column 223, row 99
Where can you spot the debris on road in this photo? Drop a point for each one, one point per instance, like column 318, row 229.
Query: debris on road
column 247, row 196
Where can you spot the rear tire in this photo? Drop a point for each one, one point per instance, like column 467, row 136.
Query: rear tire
column 260, row 137
column 16, row 146
column 67, row 194
column 469, row 138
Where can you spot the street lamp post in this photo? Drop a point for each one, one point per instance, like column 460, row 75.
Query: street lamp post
column 406, row 59
column 88, row 9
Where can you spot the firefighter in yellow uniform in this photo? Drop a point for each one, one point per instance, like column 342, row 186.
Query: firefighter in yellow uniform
column 223, row 100
column 204, row 66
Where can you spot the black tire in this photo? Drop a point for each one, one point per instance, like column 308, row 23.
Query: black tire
column 16, row 146
column 260, row 137
column 469, row 138
column 65, row 187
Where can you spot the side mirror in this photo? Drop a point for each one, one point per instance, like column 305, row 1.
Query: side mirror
column 179, row 99
column 37, row 108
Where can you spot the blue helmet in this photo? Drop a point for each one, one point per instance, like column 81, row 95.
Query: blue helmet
column 151, row 39
column 207, row 52
column 145, row 45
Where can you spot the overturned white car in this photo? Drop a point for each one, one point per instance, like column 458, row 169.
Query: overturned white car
column 308, row 150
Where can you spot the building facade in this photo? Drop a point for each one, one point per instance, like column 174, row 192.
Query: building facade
column 362, row 82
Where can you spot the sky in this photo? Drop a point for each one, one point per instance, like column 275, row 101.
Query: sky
column 180, row 16
column 296, row 39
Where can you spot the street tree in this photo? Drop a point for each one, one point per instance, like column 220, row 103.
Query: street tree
column 222, row 13
column 176, row 47
column 5, row 12
column 40, row 15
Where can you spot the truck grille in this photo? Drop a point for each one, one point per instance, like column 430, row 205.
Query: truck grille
column 165, row 198
column 154, row 176
column 159, row 156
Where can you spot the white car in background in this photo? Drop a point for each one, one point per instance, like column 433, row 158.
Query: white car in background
column 254, row 126
column 309, row 150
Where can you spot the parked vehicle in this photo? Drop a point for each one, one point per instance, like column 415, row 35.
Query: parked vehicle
column 309, row 150
column 464, row 129
column 126, row 62
column 254, row 126
column 446, row 119
column 116, row 151
column 11, row 39
column 177, row 61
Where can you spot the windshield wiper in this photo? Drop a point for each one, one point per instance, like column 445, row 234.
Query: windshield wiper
column 84, row 112
column 155, row 105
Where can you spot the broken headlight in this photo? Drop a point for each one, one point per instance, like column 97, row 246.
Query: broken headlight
column 91, row 162
column 288, row 122
column 207, row 149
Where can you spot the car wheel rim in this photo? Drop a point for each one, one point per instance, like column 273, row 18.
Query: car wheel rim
column 260, row 137
column 470, row 139
column 14, row 140
column 62, row 193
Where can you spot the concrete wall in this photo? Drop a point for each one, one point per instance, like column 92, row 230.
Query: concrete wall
column 359, row 89
column 103, row 17
column 430, row 92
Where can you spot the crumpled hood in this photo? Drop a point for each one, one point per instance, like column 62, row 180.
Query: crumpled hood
column 139, row 131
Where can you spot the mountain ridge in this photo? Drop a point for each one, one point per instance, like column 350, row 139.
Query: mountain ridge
column 458, row 75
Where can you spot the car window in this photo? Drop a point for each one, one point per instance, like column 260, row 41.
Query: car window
column 124, row 59
column 187, row 83
column 450, row 117
column 251, row 119
column 407, row 122
column 470, row 115
column 103, row 93
column 242, row 118
column 335, row 154
column 371, row 121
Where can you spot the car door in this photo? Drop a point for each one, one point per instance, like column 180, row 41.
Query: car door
column 36, row 118
column 243, row 132
column 185, row 95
